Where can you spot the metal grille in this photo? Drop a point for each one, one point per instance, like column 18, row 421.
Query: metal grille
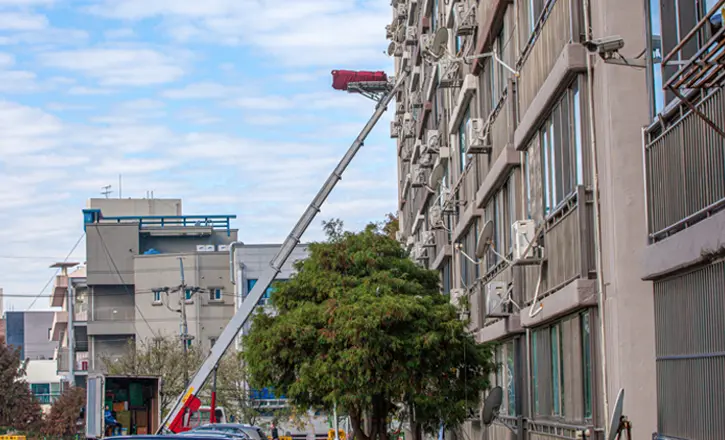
column 685, row 165
column 690, row 346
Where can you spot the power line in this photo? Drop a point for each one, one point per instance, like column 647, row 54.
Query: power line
column 57, row 271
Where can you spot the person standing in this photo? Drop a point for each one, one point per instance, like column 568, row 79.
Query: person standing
column 275, row 433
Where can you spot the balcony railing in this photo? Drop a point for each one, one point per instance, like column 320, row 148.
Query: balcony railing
column 114, row 314
column 82, row 359
column 568, row 246
column 219, row 222
column 554, row 31
column 47, row 399
column 685, row 169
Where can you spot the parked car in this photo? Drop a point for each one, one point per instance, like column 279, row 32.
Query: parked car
column 253, row 432
column 208, row 432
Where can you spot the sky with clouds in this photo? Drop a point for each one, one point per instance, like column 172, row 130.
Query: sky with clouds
column 226, row 104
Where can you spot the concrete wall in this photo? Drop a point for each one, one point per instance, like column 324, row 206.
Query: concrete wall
column 135, row 207
column 621, row 109
column 182, row 243
column 121, row 242
column 112, row 310
column 206, row 317
column 108, row 346
column 37, row 343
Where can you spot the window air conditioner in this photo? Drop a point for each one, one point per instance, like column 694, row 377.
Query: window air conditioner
column 477, row 137
column 399, row 108
column 464, row 17
column 429, row 239
column 523, row 232
column 496, row 299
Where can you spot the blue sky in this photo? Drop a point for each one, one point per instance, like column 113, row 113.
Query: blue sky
column 226, row 104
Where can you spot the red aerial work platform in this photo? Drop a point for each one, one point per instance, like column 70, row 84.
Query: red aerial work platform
column 341, row 79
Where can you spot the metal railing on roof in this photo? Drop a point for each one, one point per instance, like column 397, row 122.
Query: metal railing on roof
column 217, row 222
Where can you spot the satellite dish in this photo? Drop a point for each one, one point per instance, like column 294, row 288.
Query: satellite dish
column 491, row 405
column 391, row 49
column 485, row 238
column 437, row 174
column 440, row 41
column 616, row 415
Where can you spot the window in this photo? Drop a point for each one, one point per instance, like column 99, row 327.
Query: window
column 188, row 343
column 157, row 296
column 535, row 9
column 462, row 142
column 250, row 286
column 556, row 371
column 188, row 294
column 446, row 275
column 561, row 144
column 587, row 364
column 216, row 294
column 505, row 376
column 434, row 17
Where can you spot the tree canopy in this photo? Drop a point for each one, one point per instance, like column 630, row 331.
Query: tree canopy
column 19, row 409
column 363, row 326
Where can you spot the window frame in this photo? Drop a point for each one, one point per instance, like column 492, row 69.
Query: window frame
column 188, row 296
column 463, row 138
column 156, row 300
column 213, row 296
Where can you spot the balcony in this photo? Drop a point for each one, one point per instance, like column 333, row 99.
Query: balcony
column 568, row 248
column 557, row 27
column 59, row 326
column 60, row 290
column 81, row 363
column 47, row 399
column 685, row 169
column 113, row 321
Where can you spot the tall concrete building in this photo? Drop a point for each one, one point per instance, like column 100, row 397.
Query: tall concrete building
column 138, row 252
column 518, row 135
column 29, row 332
column 684, row 151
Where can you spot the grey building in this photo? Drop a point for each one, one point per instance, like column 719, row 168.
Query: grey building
column 684, row 151
column 29, row 332
column 519, row 131
column 134, row 249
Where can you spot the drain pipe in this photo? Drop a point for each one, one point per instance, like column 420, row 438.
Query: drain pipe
column 232, row 248
column 597, row 221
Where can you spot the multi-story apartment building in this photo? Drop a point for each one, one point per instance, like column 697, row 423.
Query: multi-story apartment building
column 519, row 135
column 143, row 256
column 29, row 332
column 2, row 315
column 67, row 287
column 684, row 162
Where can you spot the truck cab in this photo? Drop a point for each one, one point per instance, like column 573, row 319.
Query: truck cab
column 134, row 403
column 202, row 416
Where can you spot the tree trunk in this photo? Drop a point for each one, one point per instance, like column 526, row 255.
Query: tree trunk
column 415, row 428
column 379, row 417
column 356, row 422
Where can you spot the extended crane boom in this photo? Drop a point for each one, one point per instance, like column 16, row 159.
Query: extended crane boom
column 186, row 401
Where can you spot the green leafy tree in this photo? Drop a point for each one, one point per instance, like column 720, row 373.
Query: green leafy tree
column 62, row 421
column 362, row 326
column 19, row 409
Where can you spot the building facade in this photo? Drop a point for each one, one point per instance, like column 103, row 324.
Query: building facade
column 516, row 133
column 71, row 286
column 684, row 151
column 29, row 331
column 145, row 261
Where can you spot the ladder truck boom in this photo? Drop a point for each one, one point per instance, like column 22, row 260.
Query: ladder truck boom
column 188, row 399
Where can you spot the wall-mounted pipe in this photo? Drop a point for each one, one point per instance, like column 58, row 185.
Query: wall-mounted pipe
column 232, row 249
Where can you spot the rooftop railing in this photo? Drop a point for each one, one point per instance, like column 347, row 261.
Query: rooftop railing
column 216, row 222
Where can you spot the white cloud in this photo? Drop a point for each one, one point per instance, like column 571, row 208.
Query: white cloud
column 6, row 60
column 18, row 81
column 25, row 129
column 202, row 90
column 310, row 32
column 19, row 21
column 118, row 66
column 119, row 34
column 83, row 90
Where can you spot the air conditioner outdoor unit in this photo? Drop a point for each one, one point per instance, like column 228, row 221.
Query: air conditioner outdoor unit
column 410, row 241
column 394, row 129
column 433, row 139
column 210, row 248
column 201, row 248
column 456, row 295
column 427, row 160
column 399, row 235
column 388, row 32
column 223, row 248
column 523, row 232
column 444, row 153
column 435, row 216
column 496, row 298
column 425, row 41
column 449, row 74
column 411, row 35
column 399, row 108
column 429, row 239
column 416, row 99
column 477, row 137
column 419, row 178
column 406, row 152
column 402, row 11
column 408, row 127
column 464, row 17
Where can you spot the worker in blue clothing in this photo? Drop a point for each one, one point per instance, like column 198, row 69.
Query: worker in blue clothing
column 111, row 422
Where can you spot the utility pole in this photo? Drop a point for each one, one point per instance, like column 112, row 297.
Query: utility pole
column 184, row 329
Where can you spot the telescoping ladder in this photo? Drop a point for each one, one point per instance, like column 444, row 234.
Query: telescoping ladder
column 188, row 400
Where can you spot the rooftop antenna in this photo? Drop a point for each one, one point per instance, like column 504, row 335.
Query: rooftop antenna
column 106, row 190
